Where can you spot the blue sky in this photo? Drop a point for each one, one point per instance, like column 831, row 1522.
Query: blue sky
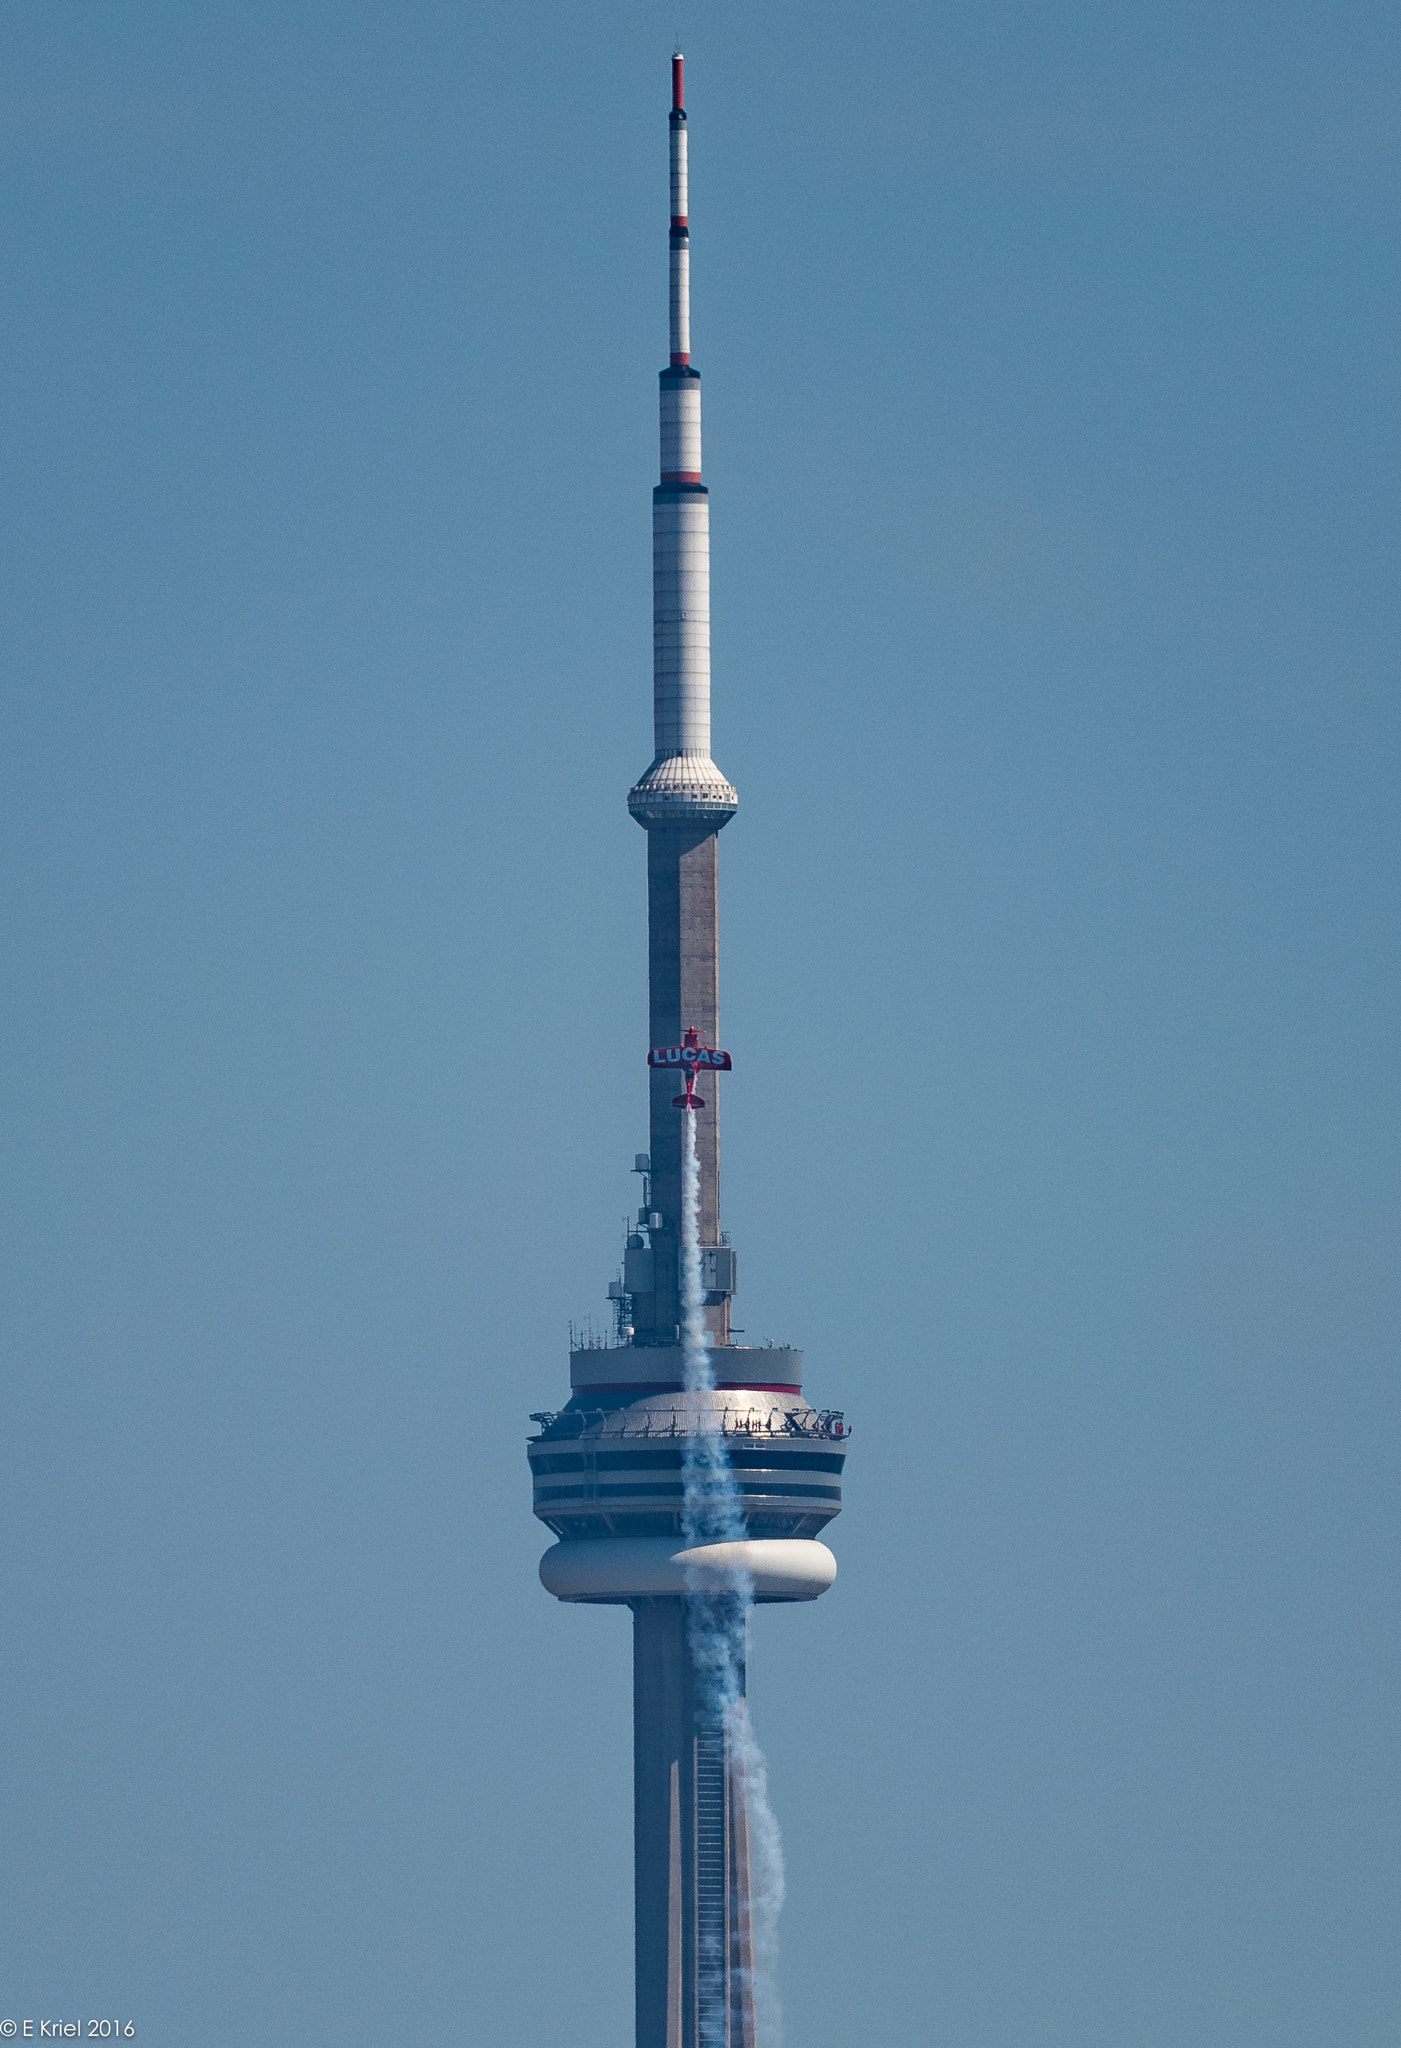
column 1050, row 388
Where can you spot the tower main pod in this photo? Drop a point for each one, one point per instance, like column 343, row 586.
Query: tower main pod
column 613, row 1470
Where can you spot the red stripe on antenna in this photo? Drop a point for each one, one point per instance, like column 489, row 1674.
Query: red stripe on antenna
column 678, row 83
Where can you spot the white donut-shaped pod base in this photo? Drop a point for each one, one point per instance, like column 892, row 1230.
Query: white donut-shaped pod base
column 643, row 1567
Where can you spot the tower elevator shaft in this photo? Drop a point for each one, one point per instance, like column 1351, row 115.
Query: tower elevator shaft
column 694, row 1935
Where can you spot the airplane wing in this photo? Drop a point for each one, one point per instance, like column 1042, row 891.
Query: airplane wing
column 700, row 1056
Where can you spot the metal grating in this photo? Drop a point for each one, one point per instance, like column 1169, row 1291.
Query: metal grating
column 712, row 1985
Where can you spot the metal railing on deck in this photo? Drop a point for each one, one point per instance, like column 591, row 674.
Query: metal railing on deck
column 562, row 1425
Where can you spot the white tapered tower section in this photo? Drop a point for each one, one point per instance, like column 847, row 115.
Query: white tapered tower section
column 683, row 785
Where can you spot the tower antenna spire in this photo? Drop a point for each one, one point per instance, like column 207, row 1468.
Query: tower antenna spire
column 683, row 788
column 680, row 227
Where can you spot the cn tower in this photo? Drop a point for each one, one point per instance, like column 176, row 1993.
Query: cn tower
column 687, row 1477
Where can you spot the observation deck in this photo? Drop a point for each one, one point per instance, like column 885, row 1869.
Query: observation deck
column 616, row 1467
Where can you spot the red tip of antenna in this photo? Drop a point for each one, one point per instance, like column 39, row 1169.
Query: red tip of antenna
column 678, row 83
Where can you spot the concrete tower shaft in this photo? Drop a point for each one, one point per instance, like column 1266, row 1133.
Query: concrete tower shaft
column 687, row 1478
column 683, row 974
column 691, row 1867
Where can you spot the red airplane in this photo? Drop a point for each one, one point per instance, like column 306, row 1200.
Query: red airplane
column 689, row 1055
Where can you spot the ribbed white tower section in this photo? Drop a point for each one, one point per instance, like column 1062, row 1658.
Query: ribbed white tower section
column 683, row 786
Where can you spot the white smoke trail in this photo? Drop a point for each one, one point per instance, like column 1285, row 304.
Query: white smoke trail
column 712, row 1512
